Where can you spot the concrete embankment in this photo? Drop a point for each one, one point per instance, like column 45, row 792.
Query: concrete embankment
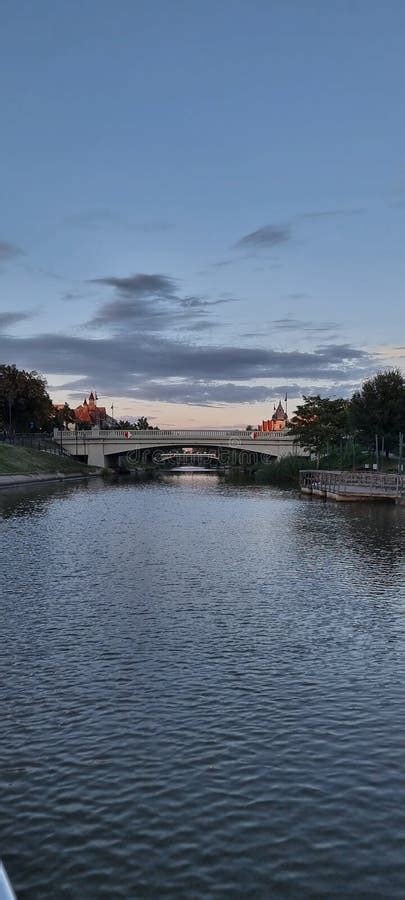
column 7, row 481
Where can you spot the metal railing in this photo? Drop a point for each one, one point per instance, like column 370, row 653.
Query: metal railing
column 372, row 483
column 185, row 435
column 41, row 442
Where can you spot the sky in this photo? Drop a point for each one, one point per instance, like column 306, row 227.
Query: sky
column 202, row 203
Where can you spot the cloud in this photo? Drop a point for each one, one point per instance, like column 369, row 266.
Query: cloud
column 269, row 236
column 140, row 285
column 266, row 237
column 11, row 318
column 125, row 364
column 8, row 251
column 222, row 263
column 151, row 348
column 151, row 303
column 200, row 303
column 329, row 214
column 72, row 295
column 303, row 325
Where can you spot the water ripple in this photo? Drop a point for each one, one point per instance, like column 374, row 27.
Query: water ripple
column 202, row 693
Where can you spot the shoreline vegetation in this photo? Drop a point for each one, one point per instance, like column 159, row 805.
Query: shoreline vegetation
column 284, row 472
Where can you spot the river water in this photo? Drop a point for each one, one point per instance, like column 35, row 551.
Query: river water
column 202, row 693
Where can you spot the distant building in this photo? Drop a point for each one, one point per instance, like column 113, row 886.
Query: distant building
column 88, row 413
column 277, row 422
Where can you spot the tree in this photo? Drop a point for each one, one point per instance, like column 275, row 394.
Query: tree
column 123, row 425
column 320, row 423
column 24, row 400
column 379, row 408
column 142, row 424
column 62, row 417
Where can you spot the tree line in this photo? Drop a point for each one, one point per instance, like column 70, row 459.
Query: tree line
column 25, row 405
column 372, row 419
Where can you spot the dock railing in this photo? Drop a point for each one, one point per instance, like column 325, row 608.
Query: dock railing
column 364, row 484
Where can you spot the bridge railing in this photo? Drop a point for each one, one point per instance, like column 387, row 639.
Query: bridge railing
column 184, row 435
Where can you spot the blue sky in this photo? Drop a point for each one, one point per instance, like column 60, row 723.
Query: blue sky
column 203, row 204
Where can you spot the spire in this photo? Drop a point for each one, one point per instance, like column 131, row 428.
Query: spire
column 279, row 413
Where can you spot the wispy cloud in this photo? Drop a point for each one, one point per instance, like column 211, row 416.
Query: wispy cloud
column 9, row 251
column 304, row 325
column 8, row 319
column 268, row 236
column 329, row 214
column 140, row 285
column 152, row 303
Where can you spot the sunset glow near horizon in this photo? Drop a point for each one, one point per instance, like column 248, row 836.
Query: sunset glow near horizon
column 203, row 204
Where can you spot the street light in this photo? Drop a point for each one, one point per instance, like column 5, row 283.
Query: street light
column 10, row 398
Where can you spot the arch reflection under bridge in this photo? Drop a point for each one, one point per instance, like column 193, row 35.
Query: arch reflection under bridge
column 172, row 459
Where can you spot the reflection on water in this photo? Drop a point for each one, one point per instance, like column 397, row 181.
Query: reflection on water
column 23, row 500
column 201, row 692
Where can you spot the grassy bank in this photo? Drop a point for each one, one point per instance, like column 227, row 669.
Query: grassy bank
column 283, row 472
column 23, row 461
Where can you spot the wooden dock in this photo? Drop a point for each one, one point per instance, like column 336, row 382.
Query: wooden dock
column 349, row 486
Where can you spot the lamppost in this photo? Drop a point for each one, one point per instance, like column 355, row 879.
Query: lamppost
column 10, row 398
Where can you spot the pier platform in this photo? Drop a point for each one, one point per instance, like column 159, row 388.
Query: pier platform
column 351, row 486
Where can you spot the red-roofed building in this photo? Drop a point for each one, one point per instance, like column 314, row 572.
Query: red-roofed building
column 277, row 422
column 91, row 414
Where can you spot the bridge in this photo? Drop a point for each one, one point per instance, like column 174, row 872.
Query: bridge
column 103, row 448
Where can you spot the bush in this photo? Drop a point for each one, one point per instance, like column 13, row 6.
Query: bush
column 283, row 471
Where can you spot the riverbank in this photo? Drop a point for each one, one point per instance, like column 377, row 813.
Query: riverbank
column 23, row 466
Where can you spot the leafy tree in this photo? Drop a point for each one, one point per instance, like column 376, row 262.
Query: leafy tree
column 63, row 417
column 142, row 424
column 24, row 400
column 123, row 425
column 379, row 408
column 320, row 423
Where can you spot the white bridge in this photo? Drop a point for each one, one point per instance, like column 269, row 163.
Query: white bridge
column 102, row 448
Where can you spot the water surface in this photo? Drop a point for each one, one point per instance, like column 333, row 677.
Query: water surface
column 202, row 692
